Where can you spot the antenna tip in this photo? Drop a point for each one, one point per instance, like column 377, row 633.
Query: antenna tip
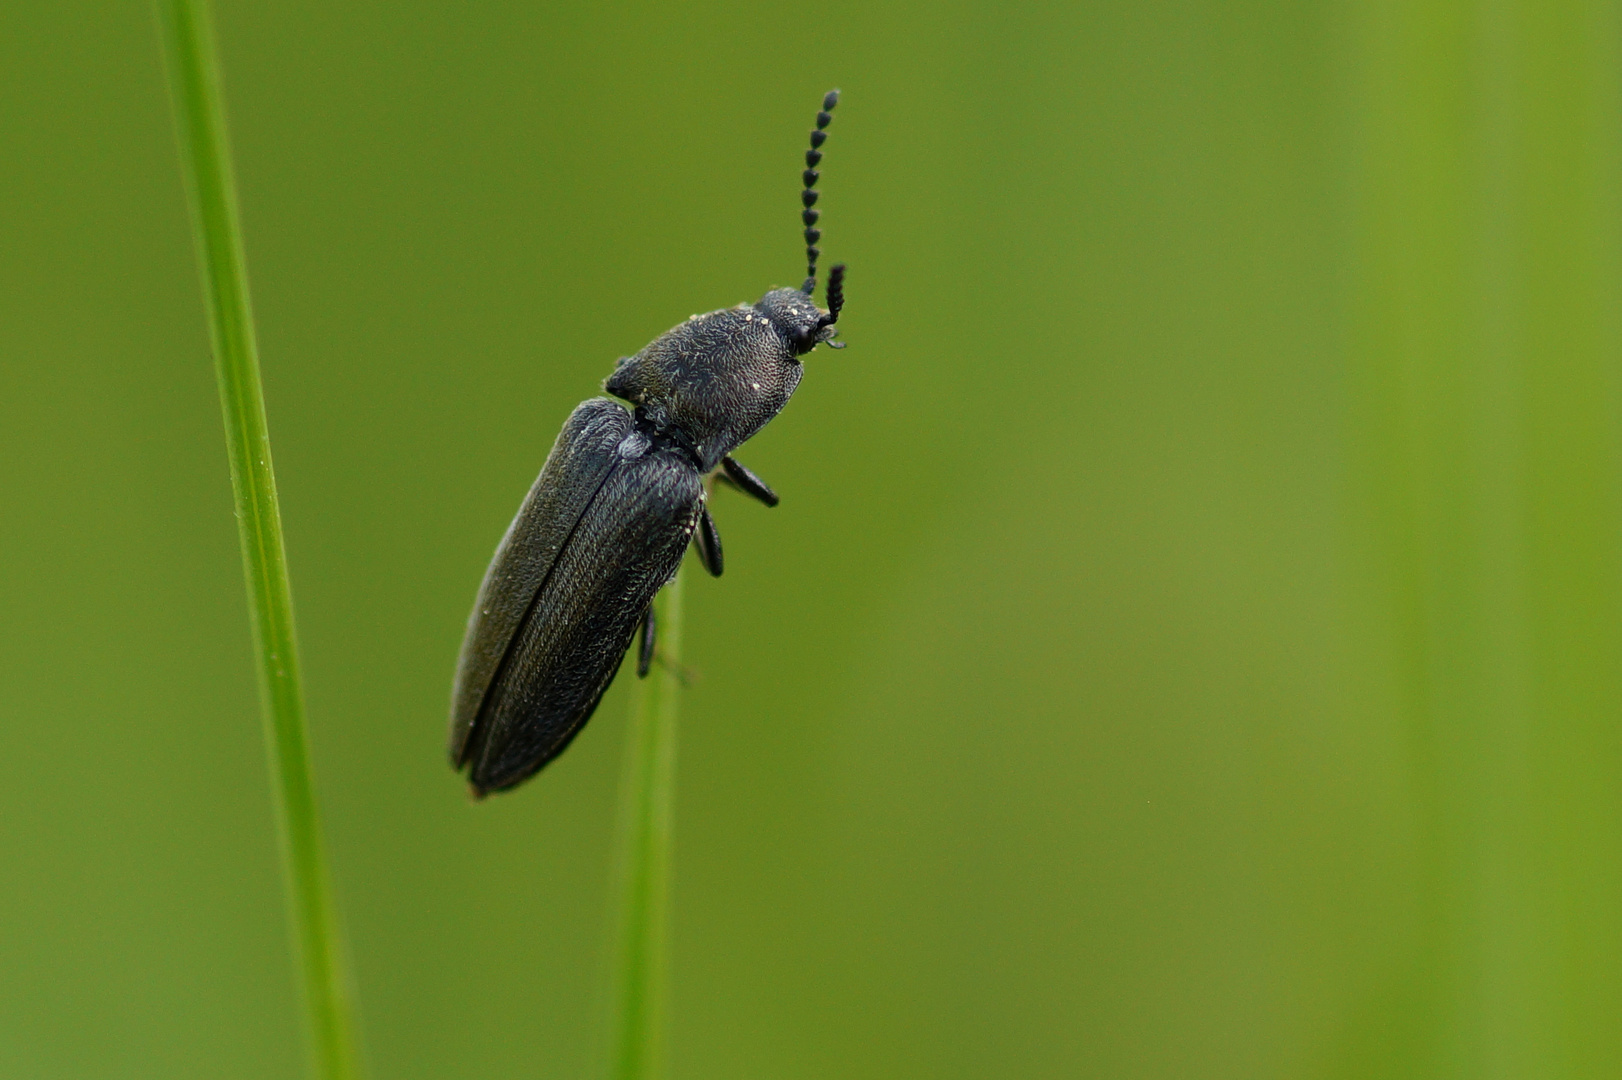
column 829, row 100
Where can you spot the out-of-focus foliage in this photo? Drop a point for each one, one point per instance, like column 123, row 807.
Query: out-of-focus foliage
column 1188, row 645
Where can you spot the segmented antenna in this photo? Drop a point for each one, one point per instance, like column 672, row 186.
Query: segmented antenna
column 808, row 197
column 836, row 300
column 836, row 294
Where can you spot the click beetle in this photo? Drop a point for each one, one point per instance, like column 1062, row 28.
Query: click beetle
column 618, row 501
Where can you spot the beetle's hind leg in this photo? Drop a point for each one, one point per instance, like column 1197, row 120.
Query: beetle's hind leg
column 747, row 482
column 650, row 635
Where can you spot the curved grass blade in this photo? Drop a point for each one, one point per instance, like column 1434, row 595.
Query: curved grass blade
column 205, row 154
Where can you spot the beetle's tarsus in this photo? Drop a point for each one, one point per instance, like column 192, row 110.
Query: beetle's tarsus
column 685, row 675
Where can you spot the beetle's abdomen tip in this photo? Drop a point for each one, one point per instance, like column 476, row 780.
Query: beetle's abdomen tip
column 475, row 793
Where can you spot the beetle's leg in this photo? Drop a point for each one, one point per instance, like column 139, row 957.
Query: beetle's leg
column 644, row 655
column 708, row 542
column 747, row 482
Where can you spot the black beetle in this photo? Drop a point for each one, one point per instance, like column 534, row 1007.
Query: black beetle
column 620, row 497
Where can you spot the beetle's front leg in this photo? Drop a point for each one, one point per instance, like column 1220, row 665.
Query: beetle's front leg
column 747, row 482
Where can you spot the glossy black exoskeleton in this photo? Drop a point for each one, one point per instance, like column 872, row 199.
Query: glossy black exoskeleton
column 619, row 499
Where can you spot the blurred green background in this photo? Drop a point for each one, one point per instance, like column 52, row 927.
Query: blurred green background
column 1188, row 646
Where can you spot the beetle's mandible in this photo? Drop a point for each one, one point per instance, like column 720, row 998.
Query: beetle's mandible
column 619, row 499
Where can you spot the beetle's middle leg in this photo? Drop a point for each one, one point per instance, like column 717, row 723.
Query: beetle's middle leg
column 747, row 482
column 708, row 542
column 644, row 655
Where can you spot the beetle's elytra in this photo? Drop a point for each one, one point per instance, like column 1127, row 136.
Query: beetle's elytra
column 619, row 499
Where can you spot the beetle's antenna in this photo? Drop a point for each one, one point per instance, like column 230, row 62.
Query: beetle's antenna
column 836, row 300
column 836, row 294
column 808, row 197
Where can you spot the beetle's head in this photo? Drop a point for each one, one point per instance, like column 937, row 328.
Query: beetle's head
column 792, row 310
column 804, row 324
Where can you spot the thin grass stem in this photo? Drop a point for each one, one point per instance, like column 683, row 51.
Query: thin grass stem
column 206, row 160
column 637, row 1022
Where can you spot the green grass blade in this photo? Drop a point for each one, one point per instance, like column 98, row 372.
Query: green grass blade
column 1490, row 464
column 205, row 152
column 644, row 855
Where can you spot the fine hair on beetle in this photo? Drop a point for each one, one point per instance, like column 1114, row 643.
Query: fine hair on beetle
column 618, row 501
